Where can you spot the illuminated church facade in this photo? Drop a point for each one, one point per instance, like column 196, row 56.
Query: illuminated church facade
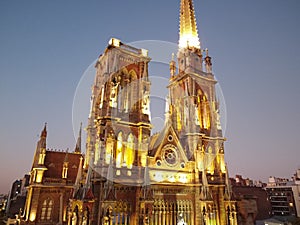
column 177, row 176
column 131, row 177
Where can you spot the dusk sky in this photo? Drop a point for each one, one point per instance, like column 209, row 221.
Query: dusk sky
column 46, row 46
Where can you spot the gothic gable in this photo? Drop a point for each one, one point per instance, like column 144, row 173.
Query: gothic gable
column 167, row 150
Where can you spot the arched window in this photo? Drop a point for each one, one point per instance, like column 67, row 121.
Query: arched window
column 178, row 115
column 206, row 113
column 199, row 117
column 42, row 156
column 210, row 160
column 101, row 97
column 65, row 170
column 119, row 150
column 133, row 96
column 109, row 147
column 125, row 95
column 129, row 153
column 113, row 95
column 47, row 207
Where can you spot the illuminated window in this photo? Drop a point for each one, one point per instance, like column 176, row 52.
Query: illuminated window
column 101, row 97
column 206, row 113
column 113, row 94
column 47, row 207
column 65, row 170
column 133, row 98
column 109, row 147
column 119, row 150
column 199, row 119
column 129, row 153
column 42, row 157
column 210, row 160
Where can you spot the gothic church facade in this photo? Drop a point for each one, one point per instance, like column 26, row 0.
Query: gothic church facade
column 177, row 176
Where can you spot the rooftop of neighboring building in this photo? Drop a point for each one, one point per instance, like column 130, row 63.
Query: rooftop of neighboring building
column 259, row 195
column 54, row 161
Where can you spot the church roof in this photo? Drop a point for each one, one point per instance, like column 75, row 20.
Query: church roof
column 54, row 162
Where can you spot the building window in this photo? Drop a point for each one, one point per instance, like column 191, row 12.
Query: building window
column 129, row 153
column 119, row 150
column 65, row 170
column 47, row 209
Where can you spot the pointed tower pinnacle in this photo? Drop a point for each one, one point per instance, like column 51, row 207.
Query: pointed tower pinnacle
column 44, row 131
column 78, row 143
column 188, row 36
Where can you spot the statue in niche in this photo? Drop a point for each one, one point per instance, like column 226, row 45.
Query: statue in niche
column 181, row 220
column 208, row 63
column 108, row 217
column 85, row 218
column 74, row 218
column 145, row 101
column 113, row 95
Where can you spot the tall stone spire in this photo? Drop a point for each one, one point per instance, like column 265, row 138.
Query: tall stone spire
column 44, row 131
column 78, row 143
column 40, row 151
column 188, row 36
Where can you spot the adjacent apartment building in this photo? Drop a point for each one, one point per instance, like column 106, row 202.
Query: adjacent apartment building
column 284, row 195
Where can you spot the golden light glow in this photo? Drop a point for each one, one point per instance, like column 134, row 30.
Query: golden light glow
column 115, row 42
column 171, row 179
column 210, row 161
column 188, row 28
column 119, row 150
column 183, row 179
column 189, row 40
column 160, row 176
column 39, row 176
column 108, row 150
column 222, row 164
column 178, row 117
column 42, row 156
column 32, row 216
column 129, row 154
column 65, row 170
column 144, row 160
column 144, row 52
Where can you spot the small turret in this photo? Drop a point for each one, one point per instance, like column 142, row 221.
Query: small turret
column 44, row 131
column 208, row 63
column 172, row 67
column 40, row 151
column 38, row 167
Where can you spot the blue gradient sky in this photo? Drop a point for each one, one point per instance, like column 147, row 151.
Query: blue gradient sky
column 45, row 47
